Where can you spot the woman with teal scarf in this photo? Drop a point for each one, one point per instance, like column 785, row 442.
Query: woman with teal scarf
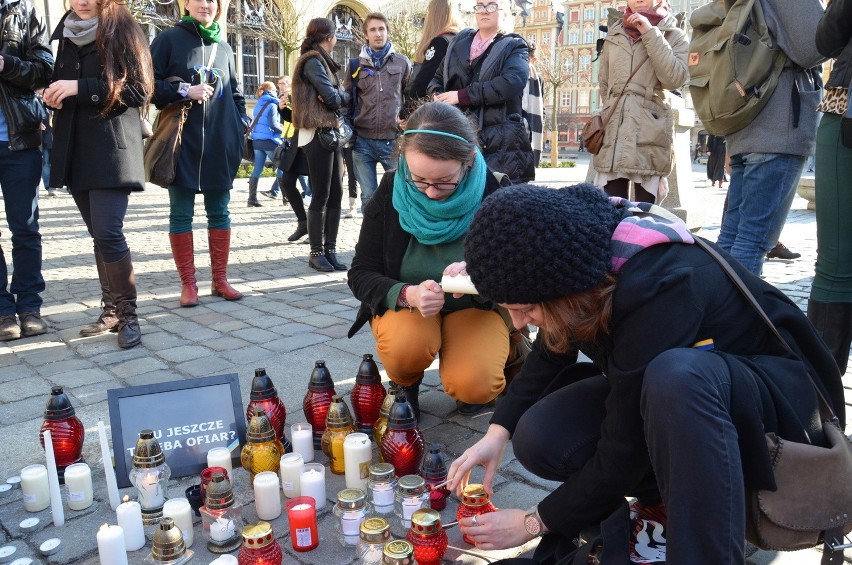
column 411, row 235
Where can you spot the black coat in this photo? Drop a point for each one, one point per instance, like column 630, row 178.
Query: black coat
column 211, row 150
column 381, row 246
column 833, row 40
column 91, row 152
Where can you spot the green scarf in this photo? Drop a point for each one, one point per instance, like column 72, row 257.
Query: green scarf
column 210, row 34
column 434, row 222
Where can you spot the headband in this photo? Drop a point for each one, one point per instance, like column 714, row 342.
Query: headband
column 436, row 132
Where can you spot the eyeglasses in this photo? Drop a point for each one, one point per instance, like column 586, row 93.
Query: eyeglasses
column 490, row 8
column 423, row 186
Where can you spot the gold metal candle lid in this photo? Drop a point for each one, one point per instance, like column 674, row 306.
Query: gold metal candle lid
column 258, row 535
column 260, row 429
column 147, row 453
column 351, row 498
column 168, row 544
column 339, row 415
column 474, row 495
column 375, row 530
column 382, row 472
column 426, row 522
column 398, row 552
column 219, row 493
column 411, row 485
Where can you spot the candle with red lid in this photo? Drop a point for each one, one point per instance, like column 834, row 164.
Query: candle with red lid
column 317, row 400
column 259, row 546
column 428, row 537
column 475, row 501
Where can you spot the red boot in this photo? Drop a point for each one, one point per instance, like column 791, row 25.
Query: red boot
column 183, row 251
column 220, row 246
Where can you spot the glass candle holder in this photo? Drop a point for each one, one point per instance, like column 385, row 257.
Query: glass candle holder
column 368, row 394
column 207, row 476
column 150, row 475
column 168, row 545
column 402, row 443
column 263, row 395
column 380, row 426
column 262, row 451
column 382, row 487
column 351, row 509
column 312, row 483
column 222, row 519
column 317, row 400
column 338, row 425
column 35, row 488
column 259, row 546
column 78, row 481
column 302, row 517
column 303, row 440
column 398, row 552
column 475, row 501
column 411, row 495
column 428, row 537
column 66, row 431
column 434, row 470
column 374, row 534
column 290, row 470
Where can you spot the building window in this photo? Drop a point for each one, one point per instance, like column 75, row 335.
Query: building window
column 585, row 62
column 531, row 39
column 573, row 38
column 545, row 38
column 271, row 60
column 604, row 12
column 575, row 15
column 589, row 14
column 251, row 47
column 583, row 98
column 565, row 99
column 588, row 37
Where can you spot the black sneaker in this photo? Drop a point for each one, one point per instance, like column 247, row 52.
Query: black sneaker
column 780, row 251
column 269, row 194
column 32, row 324
column 9, row 328
column 466, row 409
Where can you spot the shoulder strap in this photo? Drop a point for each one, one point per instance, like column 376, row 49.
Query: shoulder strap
column 826, row 410
column 615, row 104
column 257, row 117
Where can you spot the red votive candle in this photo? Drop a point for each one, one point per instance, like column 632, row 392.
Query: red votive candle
column 302, row 516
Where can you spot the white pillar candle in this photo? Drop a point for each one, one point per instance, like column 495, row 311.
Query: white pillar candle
column 357, row 456
column 181, row 512
column 312, row 483
column 56, row 508
column 225, row 560
column 109, row 471
column 220, row 457
column 222, row 529
column 267, row 495
column 78, row 480
column 111, row 549
column 129, row 515
column 303, row 440
column 290, row 469
column 35, row 488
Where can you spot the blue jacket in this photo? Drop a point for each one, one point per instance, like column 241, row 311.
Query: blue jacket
column 268, row 125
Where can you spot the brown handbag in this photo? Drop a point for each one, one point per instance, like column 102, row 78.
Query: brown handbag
column 813, row 501
column 593, row 131
column 162, row 149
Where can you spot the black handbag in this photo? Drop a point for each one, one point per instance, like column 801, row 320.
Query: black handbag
column 333, row 139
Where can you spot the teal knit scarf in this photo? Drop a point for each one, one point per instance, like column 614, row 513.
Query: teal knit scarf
column 212, row 34
column 434, row 222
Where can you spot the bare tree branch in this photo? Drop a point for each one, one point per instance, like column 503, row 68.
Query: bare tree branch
column 270, row 20
column 556, row 69
column 406, row 28
column 157, row 13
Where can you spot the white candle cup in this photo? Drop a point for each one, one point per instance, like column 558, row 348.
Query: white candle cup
column 222, row 529
column 109, row 471
column 56, row 508
column 302, row 437
column 312, row 483
column 35, row 488
column 290, row 468
column 267, row 495
column 220, row 457
column 78, row 481
column 129, row 515
column 180, row 511
column 357, row 456
column 111, row 550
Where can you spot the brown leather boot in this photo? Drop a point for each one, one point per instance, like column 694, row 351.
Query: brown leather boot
column 122, row 283
column 107, row 321
column 220, row 246
column 183, row 253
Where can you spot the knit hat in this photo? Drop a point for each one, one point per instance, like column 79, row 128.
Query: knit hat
column 528, row 244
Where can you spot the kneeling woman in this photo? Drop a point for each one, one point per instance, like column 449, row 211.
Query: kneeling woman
column 411, row 234
column 686, row 377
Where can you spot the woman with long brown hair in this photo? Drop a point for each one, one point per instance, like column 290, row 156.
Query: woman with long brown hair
column 441, row 25
column 103, row 76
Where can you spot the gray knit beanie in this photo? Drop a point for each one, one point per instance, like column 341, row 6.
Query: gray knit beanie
column 528, row 244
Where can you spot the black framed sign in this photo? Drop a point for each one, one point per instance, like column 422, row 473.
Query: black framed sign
column 188, row 417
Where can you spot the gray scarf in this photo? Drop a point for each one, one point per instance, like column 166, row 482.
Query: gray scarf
column 80, row 32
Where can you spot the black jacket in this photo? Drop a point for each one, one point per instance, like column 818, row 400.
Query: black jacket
column 82, row 137
column 424, row 72
column 211, row 147
column 833, row 40
column 673, row 296
column 380, row 249
column 26, row 68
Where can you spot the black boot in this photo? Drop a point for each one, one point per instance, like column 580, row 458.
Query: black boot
column 107, row 321
column 412, row 393
column 122, row 284
column 252, row 198
column 332, row 223
column 833, row 321
column 301, row 231
column 315, row 229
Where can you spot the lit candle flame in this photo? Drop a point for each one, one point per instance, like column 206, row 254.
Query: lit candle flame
column 126, row 498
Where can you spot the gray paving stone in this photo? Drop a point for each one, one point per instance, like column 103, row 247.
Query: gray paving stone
column 254, row 335
column 184, row 353
column 16, row 371
column 206, row 366
column 23, row 388
column 152, row 377
column 72, row 379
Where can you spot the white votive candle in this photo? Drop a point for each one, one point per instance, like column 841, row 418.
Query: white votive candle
column 180, row 511
column 303, row 440
column 34, row 487
column 312, row 483
column 357, row 455
column 111, row 550
column 222, row 529
column 267, row 495
column 225, row 560
column 78, row 480
column 129, row 516
column 220, row 457
column 290, row 468
column 56, row 508
column 109, row 471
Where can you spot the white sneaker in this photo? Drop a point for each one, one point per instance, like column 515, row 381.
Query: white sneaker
column 307, row 200
column 51, row 192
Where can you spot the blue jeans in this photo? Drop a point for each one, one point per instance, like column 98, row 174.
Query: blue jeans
column 366, row 154
column 260, row 158
column 759, row 197
column 276, row 186
column 103, row 213
column 19, row 176
column 45, row 168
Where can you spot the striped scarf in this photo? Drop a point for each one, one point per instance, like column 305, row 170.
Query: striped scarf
column 644, row 225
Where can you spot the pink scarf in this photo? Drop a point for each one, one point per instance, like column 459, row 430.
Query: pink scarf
column 478, row 46
column 655, row 15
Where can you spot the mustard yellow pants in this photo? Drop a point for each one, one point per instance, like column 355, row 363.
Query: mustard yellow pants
column 473, row 345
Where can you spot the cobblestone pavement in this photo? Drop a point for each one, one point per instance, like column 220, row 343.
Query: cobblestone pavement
column 290, row 317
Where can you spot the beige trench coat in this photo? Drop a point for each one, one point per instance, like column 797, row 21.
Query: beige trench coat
column 639, row 136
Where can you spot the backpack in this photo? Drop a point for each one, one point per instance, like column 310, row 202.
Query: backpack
column 734, row 64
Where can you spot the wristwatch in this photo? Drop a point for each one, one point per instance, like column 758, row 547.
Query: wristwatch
column 183, row 89
column 533, row 523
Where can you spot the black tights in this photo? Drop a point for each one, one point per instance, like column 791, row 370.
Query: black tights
column 621, row 188
column 291, row 194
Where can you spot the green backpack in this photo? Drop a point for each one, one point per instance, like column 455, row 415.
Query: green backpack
column 734, row 64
